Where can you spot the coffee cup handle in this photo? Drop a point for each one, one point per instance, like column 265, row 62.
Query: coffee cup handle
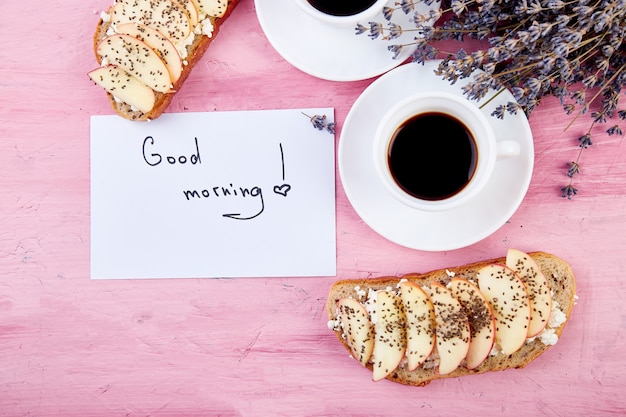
column 508, row 149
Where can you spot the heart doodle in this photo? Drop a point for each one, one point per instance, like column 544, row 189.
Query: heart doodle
column 282, row 189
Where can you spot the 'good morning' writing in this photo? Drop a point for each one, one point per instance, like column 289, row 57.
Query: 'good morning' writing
column 154, row 158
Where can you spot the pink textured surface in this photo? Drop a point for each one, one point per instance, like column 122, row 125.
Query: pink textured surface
column 250, row 347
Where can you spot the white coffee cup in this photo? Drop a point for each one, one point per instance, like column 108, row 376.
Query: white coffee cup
column 342, row 21
column 488, row 148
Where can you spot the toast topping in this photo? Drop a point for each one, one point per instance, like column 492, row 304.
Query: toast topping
column 452, row 328
column 538, row 291
column 389, row 334
column 420, row 323
column 509, row 300
column 356, row 328
column 150, row 41
column 480, row 317
column 467, row 319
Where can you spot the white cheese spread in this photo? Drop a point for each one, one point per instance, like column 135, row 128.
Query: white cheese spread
column 359, row 292
column 557, row 317
column 370, row 305
column 548, row 337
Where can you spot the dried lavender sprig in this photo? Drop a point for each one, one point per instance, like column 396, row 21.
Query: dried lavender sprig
column 536, row 48
column 320, row 123
column 407, row 6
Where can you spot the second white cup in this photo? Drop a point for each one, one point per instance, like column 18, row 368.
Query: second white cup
column 342, row 14
column 435, row 151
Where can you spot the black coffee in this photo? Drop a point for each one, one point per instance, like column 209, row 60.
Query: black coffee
column 341, row 7
column 432, row 156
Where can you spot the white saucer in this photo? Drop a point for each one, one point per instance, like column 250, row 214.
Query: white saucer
column 327, row 52
column 428, row 231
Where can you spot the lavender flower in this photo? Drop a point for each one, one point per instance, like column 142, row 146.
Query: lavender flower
column 360, row 29
column 585, row 140
column 573, row 169
column 574, row 50
column 388, row 13
column 376, row 29
column 320, row 123
column 569, row 191
column 614, row 130
column 395, row 31
column 396, row 49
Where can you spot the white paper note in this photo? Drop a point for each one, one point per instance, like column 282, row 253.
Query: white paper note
column 206, row 195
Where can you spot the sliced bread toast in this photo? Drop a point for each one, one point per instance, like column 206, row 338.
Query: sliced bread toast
column 559, row 277
column 191, row 49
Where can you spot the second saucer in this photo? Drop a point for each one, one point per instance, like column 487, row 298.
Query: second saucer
column 330, row 52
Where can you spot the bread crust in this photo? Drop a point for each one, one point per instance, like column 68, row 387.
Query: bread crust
column 195, row 51
column 558, row 273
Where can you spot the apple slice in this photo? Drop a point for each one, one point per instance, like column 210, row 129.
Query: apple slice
column 191, row 10
column 213, row 8
column 482, row 322
column 167, row 17
column 164, row 48
column 389, row 334
column 452, row 328
column 356, row 328
column 201, row 14
column 537, row 287
column 420, row 323
column 136, row 58
column 508, row 297
column 124, row 86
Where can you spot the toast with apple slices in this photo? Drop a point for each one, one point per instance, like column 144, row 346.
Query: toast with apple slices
column 190, row 25
column 560, row 280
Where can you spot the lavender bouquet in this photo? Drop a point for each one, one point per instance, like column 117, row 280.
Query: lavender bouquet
column 570, row 49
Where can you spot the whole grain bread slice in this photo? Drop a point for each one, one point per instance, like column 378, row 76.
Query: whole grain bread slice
column 195, row 51
column 560, row 279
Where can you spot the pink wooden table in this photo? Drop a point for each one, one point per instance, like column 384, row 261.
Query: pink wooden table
column 70, row 346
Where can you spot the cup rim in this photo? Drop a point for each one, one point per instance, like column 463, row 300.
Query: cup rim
column 368, row 13
column 401, row 112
